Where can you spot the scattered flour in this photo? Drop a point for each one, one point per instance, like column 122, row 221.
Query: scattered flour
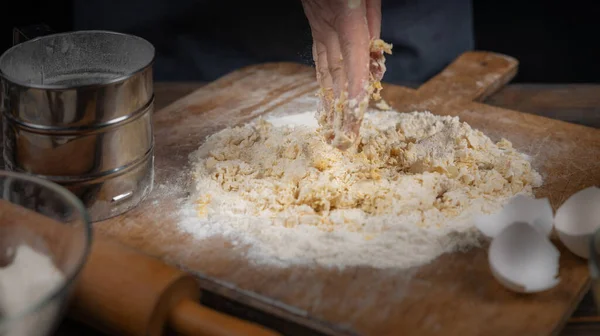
column 25, row 282
column 402, row 197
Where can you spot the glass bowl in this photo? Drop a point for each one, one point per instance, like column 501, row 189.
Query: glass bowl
column 45, row 237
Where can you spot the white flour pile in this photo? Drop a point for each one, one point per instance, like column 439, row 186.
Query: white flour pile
column 26, row 281
column 402, row 198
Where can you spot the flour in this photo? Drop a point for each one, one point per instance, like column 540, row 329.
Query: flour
column 402, row 196
column 30, row 278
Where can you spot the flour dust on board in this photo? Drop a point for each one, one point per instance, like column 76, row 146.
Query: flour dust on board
column 403, row 196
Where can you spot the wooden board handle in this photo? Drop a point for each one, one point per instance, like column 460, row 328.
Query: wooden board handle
column 473, row 76
column 191, row 319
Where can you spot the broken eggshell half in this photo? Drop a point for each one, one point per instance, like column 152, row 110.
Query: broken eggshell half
column 577, row 219
column 523, row 259
column 521, row 208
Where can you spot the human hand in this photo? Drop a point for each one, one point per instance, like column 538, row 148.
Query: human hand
column 343, row 31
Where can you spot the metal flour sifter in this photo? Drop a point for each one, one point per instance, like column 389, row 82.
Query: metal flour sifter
column 77, row 110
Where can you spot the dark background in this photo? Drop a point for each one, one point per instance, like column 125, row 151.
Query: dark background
column 555, row 41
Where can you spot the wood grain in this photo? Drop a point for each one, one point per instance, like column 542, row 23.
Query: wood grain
column 455, row 294
column 574, row 103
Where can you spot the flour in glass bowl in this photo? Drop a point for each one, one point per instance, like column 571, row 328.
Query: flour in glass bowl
column 29, row 279
column 401, row 198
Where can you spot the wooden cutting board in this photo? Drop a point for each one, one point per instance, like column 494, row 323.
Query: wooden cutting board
column 454, row 295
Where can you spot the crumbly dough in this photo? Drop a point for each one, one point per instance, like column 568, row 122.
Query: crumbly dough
column 419, row 166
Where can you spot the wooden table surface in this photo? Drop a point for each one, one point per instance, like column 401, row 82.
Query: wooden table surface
column 576, row 103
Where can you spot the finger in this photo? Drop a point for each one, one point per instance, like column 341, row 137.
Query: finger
column 325, row 110
column 354, row 41
column 374, row 21
column 374, row 18
column 329, row 45
column 320, row 58
column 335, row 62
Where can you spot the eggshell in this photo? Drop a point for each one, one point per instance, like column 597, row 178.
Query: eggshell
column 577, row 219
column 523, row 259
column 521, row 208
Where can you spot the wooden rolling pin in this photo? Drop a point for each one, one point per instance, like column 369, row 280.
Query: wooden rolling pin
column 122, row 291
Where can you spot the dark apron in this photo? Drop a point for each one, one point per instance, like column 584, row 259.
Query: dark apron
column 203, row 40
